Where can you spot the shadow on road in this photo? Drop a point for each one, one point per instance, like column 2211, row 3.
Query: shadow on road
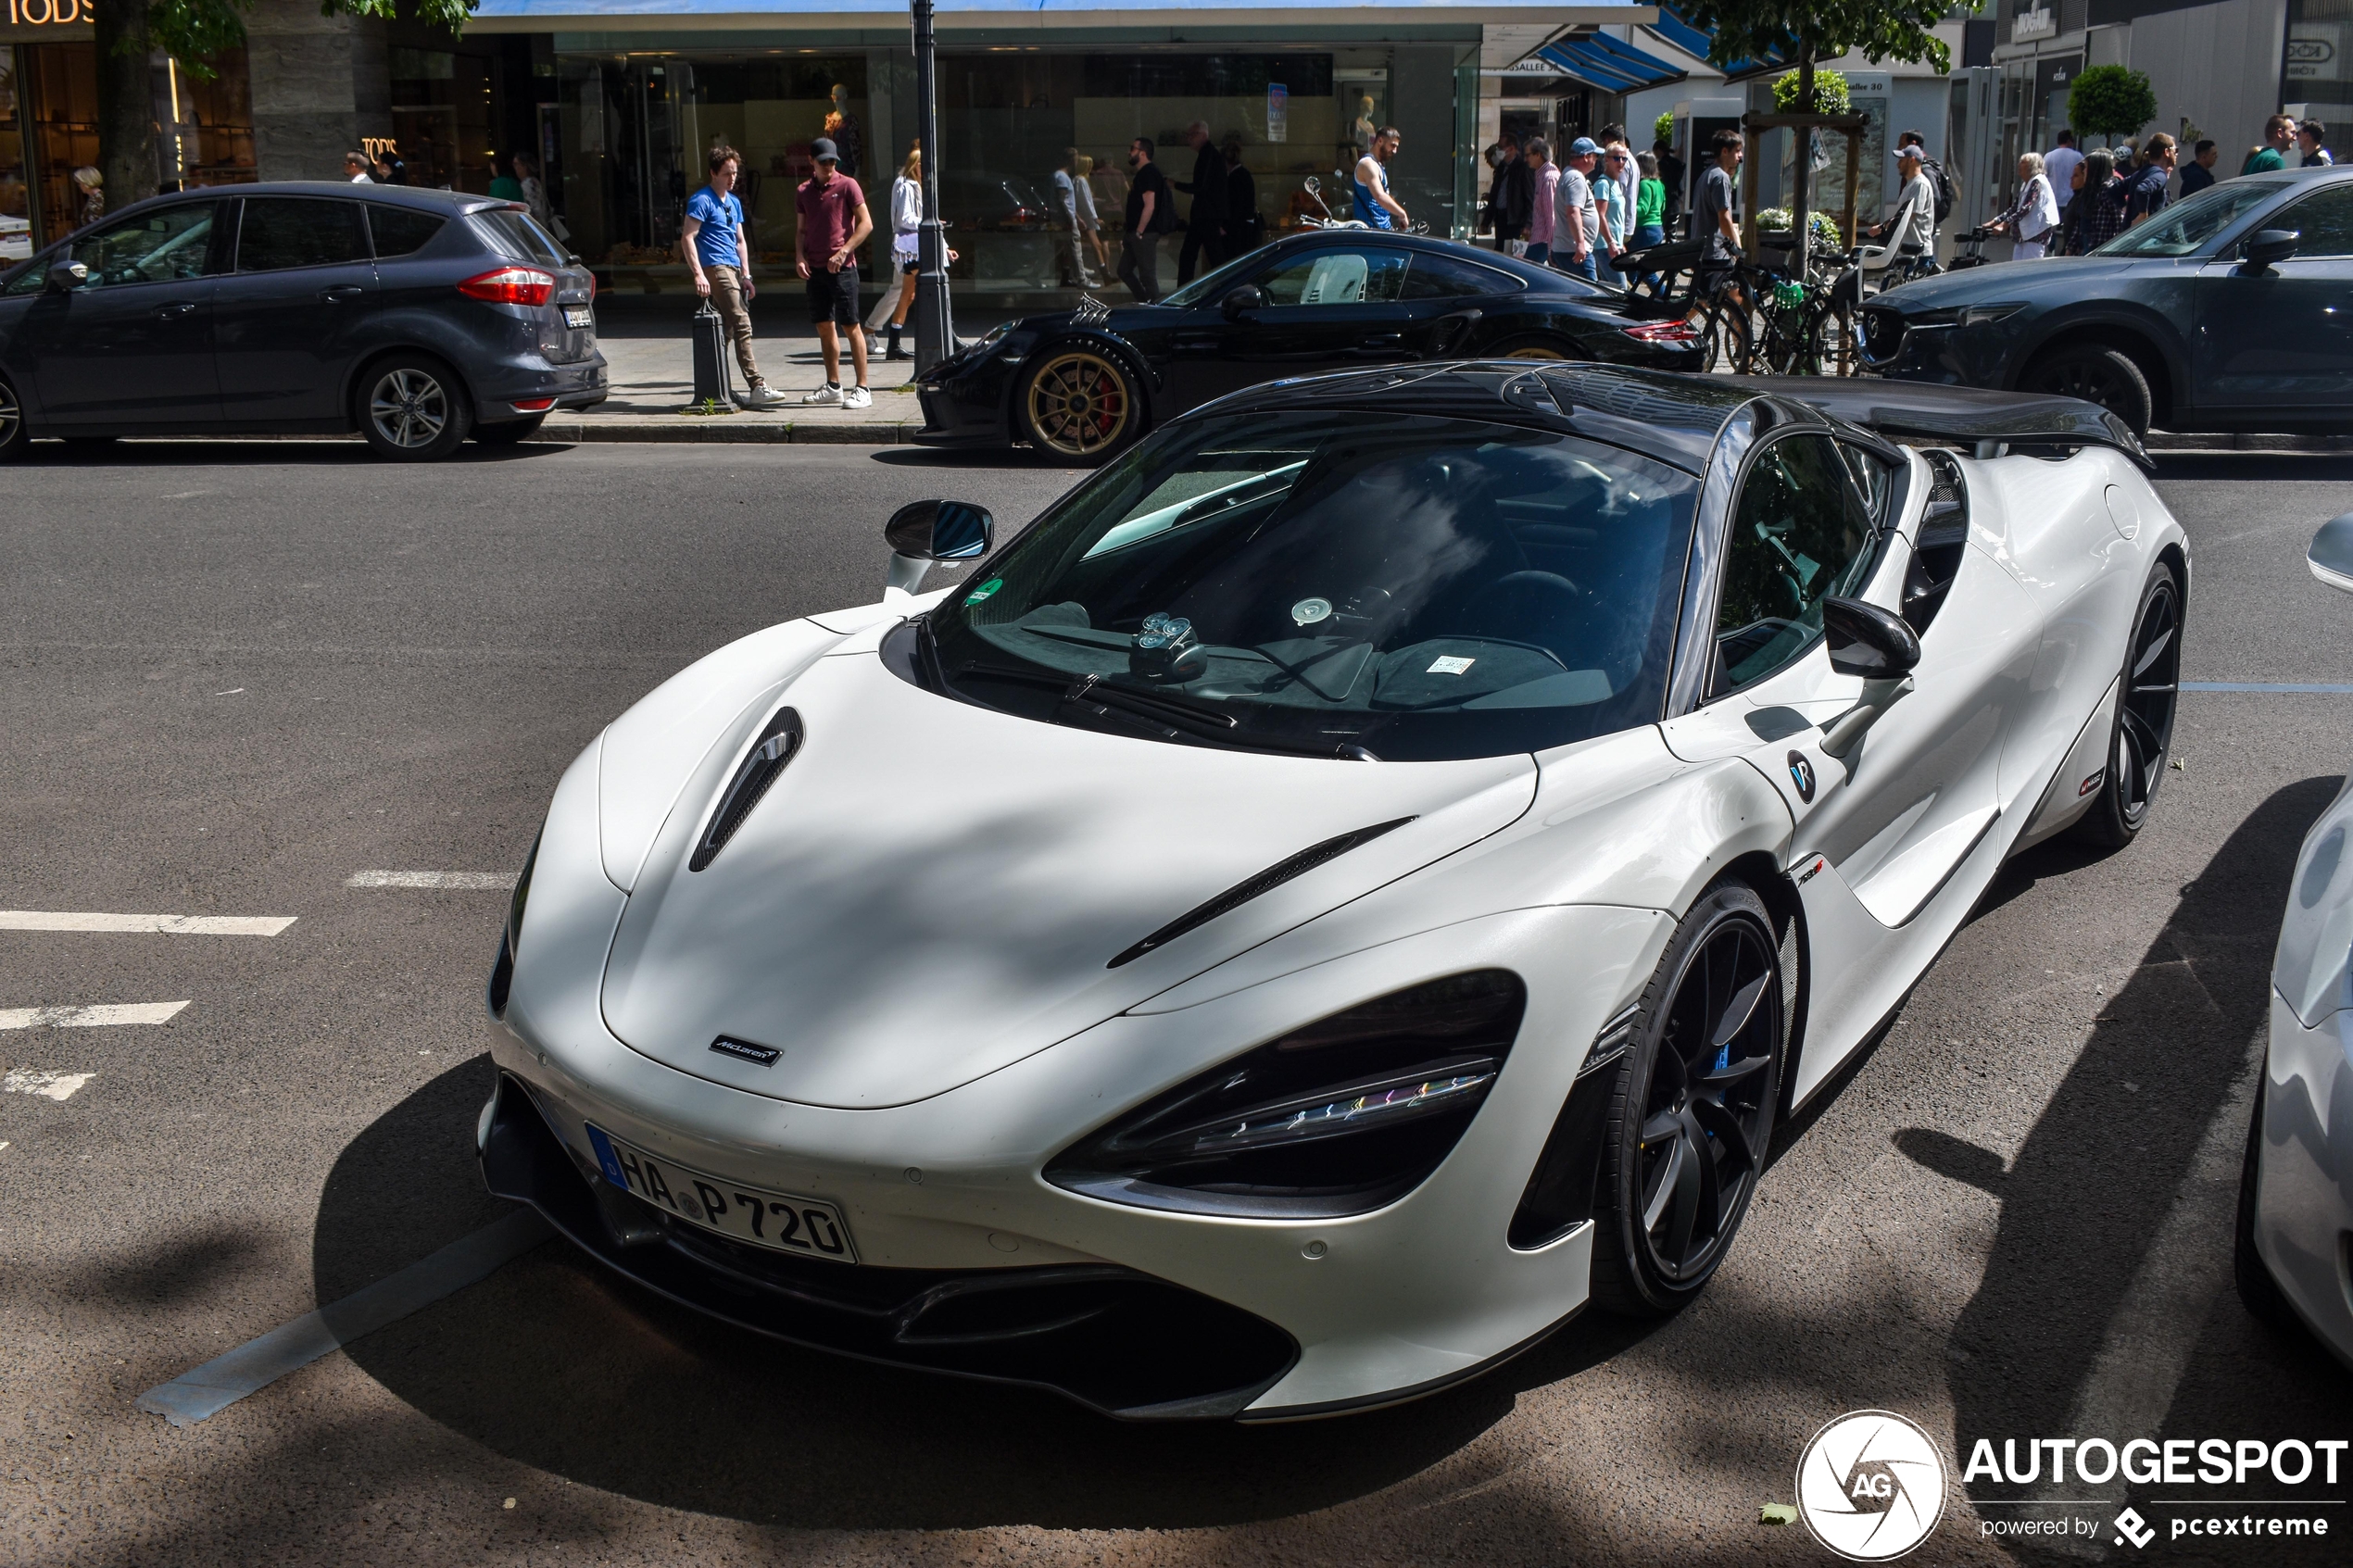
column 2084, row 1200
column 310, row 452
column 559, row 1364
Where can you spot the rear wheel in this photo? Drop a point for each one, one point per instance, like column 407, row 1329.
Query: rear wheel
column 411, row 408
column 1079, row 407
column 12, row 429
column 1531, row 347
column 2143, row 735
column 2099, row 375
column 1692, row 1108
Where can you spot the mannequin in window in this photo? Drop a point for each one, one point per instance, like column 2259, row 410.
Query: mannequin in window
column 842, row 127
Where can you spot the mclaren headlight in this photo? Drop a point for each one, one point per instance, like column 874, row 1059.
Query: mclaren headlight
column 1337, row 1117
column 502, row 972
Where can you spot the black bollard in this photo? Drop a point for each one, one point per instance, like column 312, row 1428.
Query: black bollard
column 710, row 358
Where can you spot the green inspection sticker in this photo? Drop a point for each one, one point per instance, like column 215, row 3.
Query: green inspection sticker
column 984, row 590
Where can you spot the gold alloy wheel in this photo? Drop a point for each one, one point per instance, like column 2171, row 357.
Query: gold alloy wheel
column 1535, row 351
column 1079, row 404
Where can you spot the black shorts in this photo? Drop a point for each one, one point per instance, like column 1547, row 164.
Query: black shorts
column 832, row 297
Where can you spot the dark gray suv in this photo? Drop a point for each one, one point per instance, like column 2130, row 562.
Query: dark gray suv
column 2232, row 310
column 417, row 318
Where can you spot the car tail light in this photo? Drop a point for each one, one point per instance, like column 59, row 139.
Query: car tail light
column 511, row 285
column 1673, row 333
column 1337, row 1117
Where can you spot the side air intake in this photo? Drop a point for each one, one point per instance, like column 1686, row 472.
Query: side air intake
column 774, row 749
column 1241, row 893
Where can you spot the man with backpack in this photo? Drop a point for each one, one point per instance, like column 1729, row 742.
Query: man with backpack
column 1913, row 222
column 1939, row 182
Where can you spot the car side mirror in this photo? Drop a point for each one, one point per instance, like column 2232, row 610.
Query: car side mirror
column 2331, row 557
column 1868, row 641
column 66, row 279
column 1242, row 301
column 924, row 532
column 2268, row 248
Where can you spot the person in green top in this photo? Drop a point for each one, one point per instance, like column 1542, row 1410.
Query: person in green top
column 2279, row 135
column 1650, row 209
column 506, row 188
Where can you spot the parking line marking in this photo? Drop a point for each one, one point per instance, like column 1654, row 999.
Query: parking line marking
column 58, row 1087
column 176, row 925
column 478, row 881
column 221, row 1382
column 89, row 1017
column 2265, row 686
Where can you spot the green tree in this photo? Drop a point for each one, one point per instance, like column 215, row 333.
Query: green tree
column 1809, row 30
column 1830, row 93
column 2111, row 101
column 1665, row 129
column 191, row 32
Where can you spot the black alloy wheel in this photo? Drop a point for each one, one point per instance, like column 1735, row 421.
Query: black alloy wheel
column 1692, row 1108
column 2148, row 690
column 2105, row 376
column 13, row 438
column 411, row 408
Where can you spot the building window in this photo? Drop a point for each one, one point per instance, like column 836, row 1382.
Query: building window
column 442, row 114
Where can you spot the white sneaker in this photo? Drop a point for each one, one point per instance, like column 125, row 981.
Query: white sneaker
column 828, row 395
column 857, row 397
column 761, row 397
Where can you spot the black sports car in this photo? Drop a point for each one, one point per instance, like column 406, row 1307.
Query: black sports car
column 1080, row 385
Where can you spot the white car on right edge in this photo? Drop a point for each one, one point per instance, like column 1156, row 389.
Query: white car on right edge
column 2294, row 1253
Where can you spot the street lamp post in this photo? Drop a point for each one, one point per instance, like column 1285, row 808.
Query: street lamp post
column 935, row 333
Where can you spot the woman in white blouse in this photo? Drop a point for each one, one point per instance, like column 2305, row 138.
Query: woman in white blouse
column 2033, row 215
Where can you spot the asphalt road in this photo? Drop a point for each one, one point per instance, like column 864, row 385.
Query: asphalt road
column 236, row 675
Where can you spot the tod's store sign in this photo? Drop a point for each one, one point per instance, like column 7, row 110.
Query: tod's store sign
column 35, row 21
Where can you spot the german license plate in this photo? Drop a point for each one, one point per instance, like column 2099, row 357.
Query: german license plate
column 579, row 316
column 779, row 1221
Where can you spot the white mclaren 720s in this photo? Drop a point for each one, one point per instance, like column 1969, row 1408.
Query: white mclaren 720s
column 1355, row 882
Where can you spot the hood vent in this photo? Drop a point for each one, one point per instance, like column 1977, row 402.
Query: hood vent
column 1267, row 881
column 776, row 746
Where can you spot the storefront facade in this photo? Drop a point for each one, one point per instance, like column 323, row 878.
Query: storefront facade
column 627, row 105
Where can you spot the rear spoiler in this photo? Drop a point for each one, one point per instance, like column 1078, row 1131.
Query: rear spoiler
column 1962, row 415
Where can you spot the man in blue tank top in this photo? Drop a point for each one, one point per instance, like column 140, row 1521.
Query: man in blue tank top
column 1375, row 208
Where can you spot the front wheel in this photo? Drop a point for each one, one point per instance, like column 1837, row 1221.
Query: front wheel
column 1079, row 407
column 2105, row 376
column 2142, row 737
column 1692, row 1108
column 13, row 439
column 411, row 408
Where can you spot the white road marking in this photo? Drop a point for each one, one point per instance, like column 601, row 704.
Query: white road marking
column 89, row 1017
column 224, row 1380
column 59, row 1086
column 231, row 692
column 478, row 881
column 179, row 925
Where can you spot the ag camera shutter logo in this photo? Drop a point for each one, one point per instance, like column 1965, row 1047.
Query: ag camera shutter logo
column 1871, row 1485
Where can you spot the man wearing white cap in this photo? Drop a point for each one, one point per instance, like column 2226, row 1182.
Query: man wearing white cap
column 1913, row 222
column 1580, row 229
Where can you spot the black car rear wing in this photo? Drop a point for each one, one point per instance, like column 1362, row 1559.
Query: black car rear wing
column 1965, row 416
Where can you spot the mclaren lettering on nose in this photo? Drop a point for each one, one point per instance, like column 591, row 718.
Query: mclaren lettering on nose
column 727, row 1045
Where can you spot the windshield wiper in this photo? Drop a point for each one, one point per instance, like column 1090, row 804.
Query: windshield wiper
column 1185, row 715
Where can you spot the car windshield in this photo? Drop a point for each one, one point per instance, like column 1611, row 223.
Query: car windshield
column 1209, row 286
column 2189, row 226
column 1326, row 583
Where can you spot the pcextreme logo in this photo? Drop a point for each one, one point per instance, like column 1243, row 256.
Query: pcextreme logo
column 1871, row 1485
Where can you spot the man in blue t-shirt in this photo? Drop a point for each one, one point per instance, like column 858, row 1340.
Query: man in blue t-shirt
column 719, row 258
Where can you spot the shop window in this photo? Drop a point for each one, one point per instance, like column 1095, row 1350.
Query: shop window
column 215, row 129
column 61, row 87
column 16, row 192
column 442, row 112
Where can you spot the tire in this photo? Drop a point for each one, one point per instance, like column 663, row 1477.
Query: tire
column 1532, row 346
column 2257, row 1288
column 1078, row 406
column 412, row 408
column 2097, row 375
column 1677, row 1131
column 507, row 432
column 14, row 435
column 2141, row 737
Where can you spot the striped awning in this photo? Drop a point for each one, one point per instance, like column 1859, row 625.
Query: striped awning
column 1610, row 63
column 1671, row 29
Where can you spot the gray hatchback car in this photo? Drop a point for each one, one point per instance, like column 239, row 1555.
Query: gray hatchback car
column 417, row 318
column 2232, row 310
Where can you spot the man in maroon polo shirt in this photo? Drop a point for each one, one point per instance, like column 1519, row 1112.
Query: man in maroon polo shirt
column 833, row 224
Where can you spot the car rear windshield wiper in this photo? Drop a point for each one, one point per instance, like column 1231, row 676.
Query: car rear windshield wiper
column 1193, row 718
